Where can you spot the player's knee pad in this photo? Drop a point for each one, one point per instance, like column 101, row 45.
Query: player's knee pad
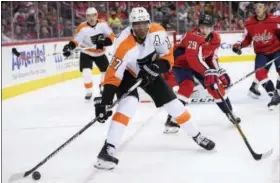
column 87, row 75
column 186, row 88
column 125, row 110
column 261, row 75
column 215, row 94
column 177, row 110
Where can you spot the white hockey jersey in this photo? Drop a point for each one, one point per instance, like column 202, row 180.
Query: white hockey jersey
column 84, row 31
column 127, row 51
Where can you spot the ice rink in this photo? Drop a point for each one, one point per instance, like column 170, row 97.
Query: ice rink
column 36, row 123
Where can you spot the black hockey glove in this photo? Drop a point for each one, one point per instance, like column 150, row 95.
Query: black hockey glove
column 67, row 49
column 236, row 48
column 100, row 41
column 148, row 73
column 100, row 110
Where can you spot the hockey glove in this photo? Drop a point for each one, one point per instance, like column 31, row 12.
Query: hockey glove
column 224, row 77
column 100, row 41
column 67, row 49
column 210, row 78
column 148, row 73
column 100, row 110
column 236, row 48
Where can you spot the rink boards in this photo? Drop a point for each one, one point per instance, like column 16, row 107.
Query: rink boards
column 21, row 76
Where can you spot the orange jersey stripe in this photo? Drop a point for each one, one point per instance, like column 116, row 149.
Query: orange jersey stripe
column 121, row 118
column 125, row 46
column 78, row 29
column 88, row 85
column 183, row 117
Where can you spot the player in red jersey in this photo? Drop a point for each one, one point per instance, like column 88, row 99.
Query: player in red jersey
column 196, row 57
column 263, row 30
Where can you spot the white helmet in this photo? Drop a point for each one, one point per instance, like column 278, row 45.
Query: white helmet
column 139, row 14
column 91, row 10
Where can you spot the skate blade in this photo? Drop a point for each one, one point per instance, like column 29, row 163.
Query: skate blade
column 104, row 165
column 251, row 94
column 170, row 130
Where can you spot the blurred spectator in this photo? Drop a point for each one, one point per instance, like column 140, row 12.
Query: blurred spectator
column 18, row 33
column 60, row 27
column 20, row 16
column 158, row 15
column 80, row 12
column 68, row 31
column 102, row 13
column 44, row 33
column 33, row 20
column 182, row 13
column 4, row 38
column 115, row 22
column 240, row 24
column 242, row 9
column 275, row 9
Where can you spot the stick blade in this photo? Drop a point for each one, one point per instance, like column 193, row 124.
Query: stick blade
column 264, row 155
column 15, row 177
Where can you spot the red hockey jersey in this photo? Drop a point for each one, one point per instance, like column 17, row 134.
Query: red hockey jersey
column 194, row 48
column 264, row 34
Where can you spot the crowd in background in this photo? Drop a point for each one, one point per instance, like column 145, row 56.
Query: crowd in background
column 45, row 20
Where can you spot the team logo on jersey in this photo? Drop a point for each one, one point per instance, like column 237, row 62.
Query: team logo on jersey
column 264, row 37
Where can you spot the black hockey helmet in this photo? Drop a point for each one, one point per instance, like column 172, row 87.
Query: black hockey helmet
column 206, row 19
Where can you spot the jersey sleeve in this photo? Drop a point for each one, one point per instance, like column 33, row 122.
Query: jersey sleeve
column 247, row 39
column 108, row 32
column 164, row 47
column 115, row 71
column 210, row 52
column 79, row 34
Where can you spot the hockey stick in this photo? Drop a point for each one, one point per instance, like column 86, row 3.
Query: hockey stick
column 256, row 156
column 18, row 54
column 18, row 176
column 249, row 74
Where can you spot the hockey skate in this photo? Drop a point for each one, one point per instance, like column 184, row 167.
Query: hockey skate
column 88, row 96
column 204, row 142
column 275, row 100
column 106, row 160
column 253, row 91
column 170, row 126
column 236, row 119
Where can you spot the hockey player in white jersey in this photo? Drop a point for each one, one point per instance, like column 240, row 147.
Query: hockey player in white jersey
column 142, row 51
column 95, row 34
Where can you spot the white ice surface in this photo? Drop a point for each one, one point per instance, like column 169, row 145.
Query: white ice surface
column 36, row 123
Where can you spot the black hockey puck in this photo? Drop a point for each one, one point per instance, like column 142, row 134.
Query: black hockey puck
column 36, row 175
